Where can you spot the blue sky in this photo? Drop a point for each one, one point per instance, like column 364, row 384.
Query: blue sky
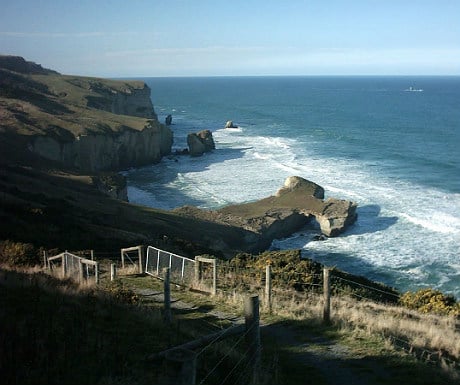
column 250, row 37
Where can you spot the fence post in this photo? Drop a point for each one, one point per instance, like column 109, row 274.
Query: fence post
column 64, row 264
column 214, row 277
column 113, row 272
column 141, row 258
column 92, row 255
column 197, row 271
column 96, row 273
column 45, row 259
column 80, row 272
column 268, row 287
column 122, row 259
column 167, row 295
column 180, row 367
column 251, row 316
column 327, row 296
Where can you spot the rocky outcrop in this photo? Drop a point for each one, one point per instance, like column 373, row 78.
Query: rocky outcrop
column 114, row 151
column 168, row 120
column 131, row 99
column 230, row 124
column 297, row 203
column 113, row 185
column 306, row 187
column 200, row 142
column 84, row 123
column 306, row 197
column 19, row 64
column 336, row 216
column 134, row 102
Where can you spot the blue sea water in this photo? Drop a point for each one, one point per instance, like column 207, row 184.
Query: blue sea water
column 368, row 139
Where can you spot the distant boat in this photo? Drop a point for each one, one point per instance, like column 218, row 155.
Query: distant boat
column 412, row 89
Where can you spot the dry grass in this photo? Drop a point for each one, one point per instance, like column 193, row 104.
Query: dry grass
column 440, row 334
column 435, row 337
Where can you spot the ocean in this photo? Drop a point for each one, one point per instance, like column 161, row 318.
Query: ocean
column 391, row 144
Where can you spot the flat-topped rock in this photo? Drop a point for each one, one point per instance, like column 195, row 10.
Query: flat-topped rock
column 297, row 203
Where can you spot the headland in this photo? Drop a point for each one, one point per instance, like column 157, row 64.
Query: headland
column 63, row 140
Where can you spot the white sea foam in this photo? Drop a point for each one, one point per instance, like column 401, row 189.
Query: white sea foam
column 407, row 234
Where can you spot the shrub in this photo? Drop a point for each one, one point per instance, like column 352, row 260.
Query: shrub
column 18, row 254
column 120, row 293
column 431, row 301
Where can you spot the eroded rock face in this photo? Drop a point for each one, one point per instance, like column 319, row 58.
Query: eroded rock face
column 297, row 203
column 113, row 185
column 134, row 102
column 128, row 148
column 305, row 186
column 336, row 216
column 200, row 142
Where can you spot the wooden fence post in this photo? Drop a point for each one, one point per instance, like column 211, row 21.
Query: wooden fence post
column 122, row 259
column 113, row 272
column 64, row 264
column 268, row 287
column 251, row 316
column 180, row 367
column 45, row 259
column 197, row 271
column 96, row 273
column 167, row 295
column 214, row 277
column 80, row 272
column 141, row 259
column 327, row 296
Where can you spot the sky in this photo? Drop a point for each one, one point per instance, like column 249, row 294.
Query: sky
column 143, row 38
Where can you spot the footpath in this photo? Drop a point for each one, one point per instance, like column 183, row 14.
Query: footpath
column 310, row 357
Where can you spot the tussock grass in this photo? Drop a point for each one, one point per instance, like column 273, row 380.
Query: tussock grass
column 56, row 332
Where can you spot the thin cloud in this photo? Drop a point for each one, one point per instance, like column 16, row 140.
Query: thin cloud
column 49, row 35
column 190, row 51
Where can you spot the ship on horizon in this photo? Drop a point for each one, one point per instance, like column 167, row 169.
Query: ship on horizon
column 412, row 89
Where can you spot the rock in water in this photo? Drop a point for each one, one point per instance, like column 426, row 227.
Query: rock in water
column 336, row 216
column 230, row 124
column 168, row 120
column 295, row 182
column 200, row 142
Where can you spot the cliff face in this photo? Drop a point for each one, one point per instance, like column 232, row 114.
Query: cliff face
column 89, row 124
column 127, row 99
column 97, row 152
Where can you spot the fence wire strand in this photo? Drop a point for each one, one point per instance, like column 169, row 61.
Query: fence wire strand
column 232, row 348
column 366, row 286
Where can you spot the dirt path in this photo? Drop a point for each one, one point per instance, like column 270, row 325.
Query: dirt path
column 334, row 363
column 311, row 353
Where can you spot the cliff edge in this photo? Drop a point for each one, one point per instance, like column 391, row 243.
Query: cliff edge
column 82, row 123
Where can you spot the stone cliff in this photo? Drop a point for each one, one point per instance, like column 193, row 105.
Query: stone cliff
column 88, row 124
column 114, row 151
column 128, row 99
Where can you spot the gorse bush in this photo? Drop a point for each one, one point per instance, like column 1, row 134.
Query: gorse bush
column 121, row 293
column 291, row 271
column 19, row 254
column 288, row 269
column 431, row 301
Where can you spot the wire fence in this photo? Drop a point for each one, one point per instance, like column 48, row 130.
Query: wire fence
column 69, row 265
column 240, row 278
column 182, row 269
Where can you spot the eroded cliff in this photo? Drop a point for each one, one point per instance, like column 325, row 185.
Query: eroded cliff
column 88, row 124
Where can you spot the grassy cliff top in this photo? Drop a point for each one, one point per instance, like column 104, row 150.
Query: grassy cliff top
column 37, row 101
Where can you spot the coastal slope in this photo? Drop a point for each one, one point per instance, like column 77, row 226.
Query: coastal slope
column 61, row 138
column 82, row 123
